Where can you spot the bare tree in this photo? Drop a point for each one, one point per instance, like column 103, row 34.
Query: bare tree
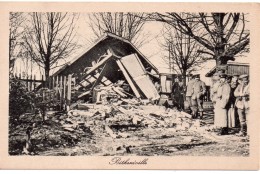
column 49, row 38
column 16, row 20
column 224, row 35
column 126, row 25
column 182, row 51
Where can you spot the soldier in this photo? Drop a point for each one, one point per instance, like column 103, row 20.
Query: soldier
column 176, row 93
column 221, row 108
column 159, row 89
column 232, row 111
column 214, row 88
column 189, row 91
column 242, row 103
column 181, row 92
column 198, row 91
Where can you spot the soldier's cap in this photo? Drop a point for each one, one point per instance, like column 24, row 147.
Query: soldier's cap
column 243, row 76
column 196, row 76
column 234, row 78
column 223, row 75
column 229, row 76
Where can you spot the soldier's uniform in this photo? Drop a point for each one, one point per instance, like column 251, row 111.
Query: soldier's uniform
column 189, row 93
column 221, row 109
column 214, row 89
column 198, row 91
column 232, row 112
column 242, row 103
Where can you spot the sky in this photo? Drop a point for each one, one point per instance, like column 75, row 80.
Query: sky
column 155, row 55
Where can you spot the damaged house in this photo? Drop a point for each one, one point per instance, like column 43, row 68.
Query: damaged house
column 108, row 61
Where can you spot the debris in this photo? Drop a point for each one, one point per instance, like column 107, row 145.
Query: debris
column 136, row 120
column 128, row 149
column 110, row 132
column 124, row 135
column 69, row 129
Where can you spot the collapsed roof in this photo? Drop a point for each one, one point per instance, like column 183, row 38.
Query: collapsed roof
column 110, row 59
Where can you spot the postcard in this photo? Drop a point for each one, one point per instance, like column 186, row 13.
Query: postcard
column 129, row 86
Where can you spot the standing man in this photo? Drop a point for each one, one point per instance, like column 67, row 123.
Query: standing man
column 176, row 93
column 181, row 96
column 189, row 91
column 221, row 109
column 214, row 88
column 232, row 110
column 198, row 91
column 159, row 90
column 213, row 91
column 242, row 103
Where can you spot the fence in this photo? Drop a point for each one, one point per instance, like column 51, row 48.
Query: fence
column 58, row 89
column 62, row 87
column 30, row 81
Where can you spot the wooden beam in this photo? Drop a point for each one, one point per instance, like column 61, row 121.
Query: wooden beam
column 99, row 79
column 96, row 79
column 64, row 87
column 80, row 83
column 100, row 63
column 114, row 54
column 69, row 92
column 61, row 91
column 30, row 80
column 130, row 82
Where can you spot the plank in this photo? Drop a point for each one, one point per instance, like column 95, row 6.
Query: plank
column 101, row 75
column 69, row 91
column 100, row 63
column 128, row 79
column 137, row 71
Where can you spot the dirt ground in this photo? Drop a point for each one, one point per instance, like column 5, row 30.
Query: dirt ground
column 134, row 140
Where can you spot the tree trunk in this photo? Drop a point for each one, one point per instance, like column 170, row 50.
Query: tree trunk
column 184, row 77
column 47, row 74
column 184, row 82
column 221, row 59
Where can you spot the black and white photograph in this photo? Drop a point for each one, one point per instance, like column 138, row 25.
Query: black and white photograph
column 129, row 86
column 129, row 83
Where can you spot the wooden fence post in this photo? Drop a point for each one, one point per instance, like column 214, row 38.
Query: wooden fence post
column 31, row 83
column 43, row 107
column 57, row 81
column 57, row 89
column 69, row 93
column 53, row 82
column 64, row 92
column 43, row 84
column 34, row 82
column 60, row 86
column 27, row 83
column 49, row 82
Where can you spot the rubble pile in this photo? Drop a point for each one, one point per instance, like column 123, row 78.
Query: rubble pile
column 114, row 117
column 58, row 130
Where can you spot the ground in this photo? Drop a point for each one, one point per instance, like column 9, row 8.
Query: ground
column 60, row 136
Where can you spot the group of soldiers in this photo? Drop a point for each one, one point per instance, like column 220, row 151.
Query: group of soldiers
column 195, row 91
column 230, row 97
